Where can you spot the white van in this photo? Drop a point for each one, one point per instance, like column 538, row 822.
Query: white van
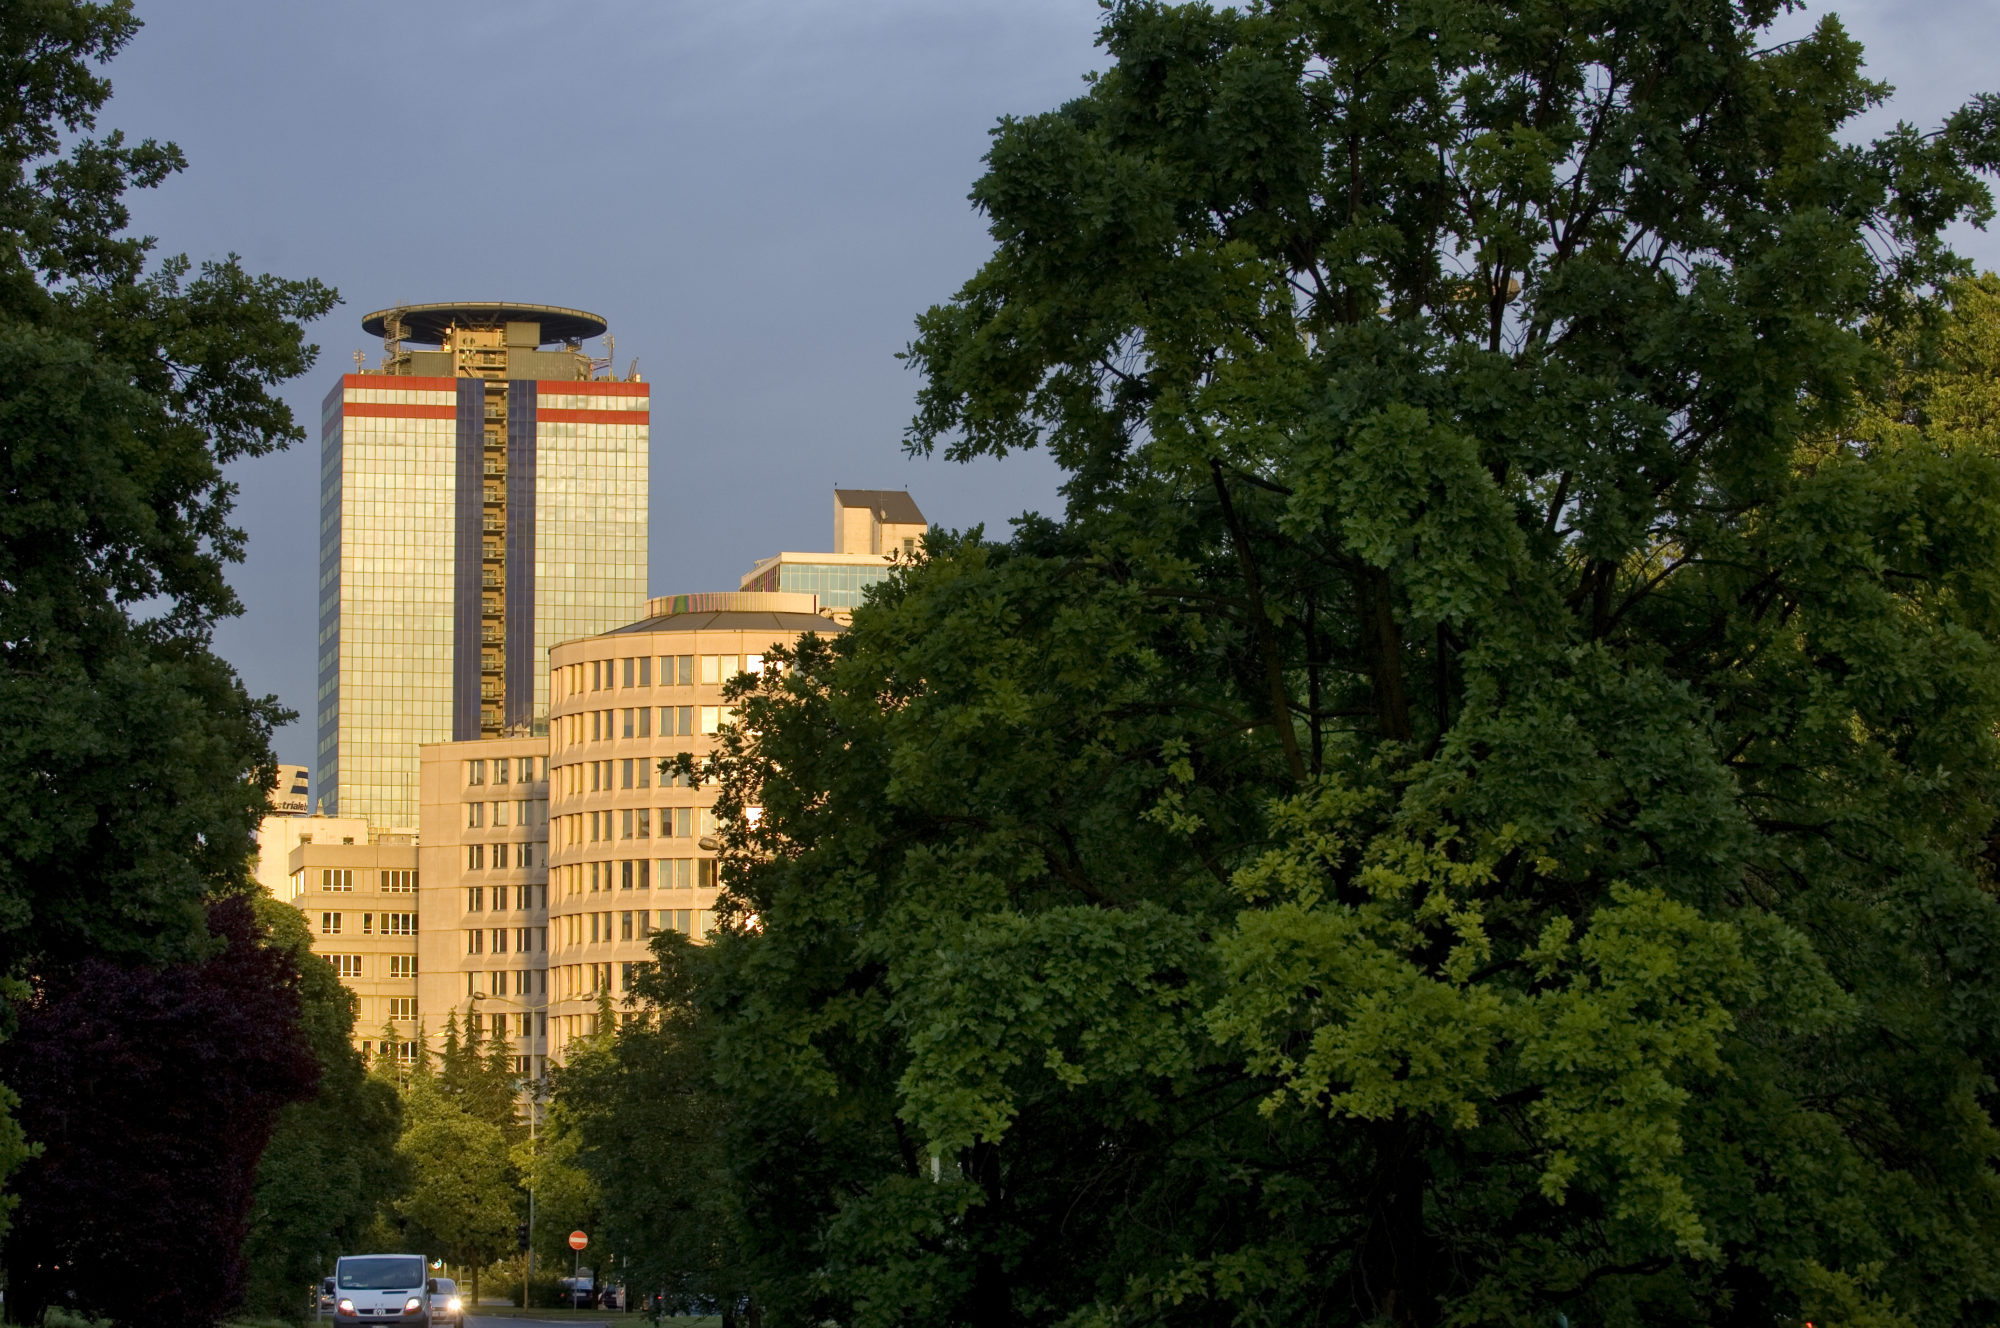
column 381, row 1289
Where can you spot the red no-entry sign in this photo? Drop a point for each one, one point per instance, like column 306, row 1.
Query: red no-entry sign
column 577, row 1240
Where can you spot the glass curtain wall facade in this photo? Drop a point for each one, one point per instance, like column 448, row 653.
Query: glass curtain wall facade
column 387, row 574
column 468, row 523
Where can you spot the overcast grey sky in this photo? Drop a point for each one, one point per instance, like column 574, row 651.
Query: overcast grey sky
column 759, row 196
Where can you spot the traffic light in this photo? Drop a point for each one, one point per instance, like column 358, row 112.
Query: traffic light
column 521, row 1237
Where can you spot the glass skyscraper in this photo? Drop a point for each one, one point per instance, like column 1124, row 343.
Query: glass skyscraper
column 483, row 496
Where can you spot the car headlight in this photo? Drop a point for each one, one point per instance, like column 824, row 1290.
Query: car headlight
column 412, row 1305
column 452, row 1305
column 345, row 1307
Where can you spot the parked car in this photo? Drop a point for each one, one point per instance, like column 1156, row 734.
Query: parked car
column 446, row 1307
column 611, row 1297
column 579, row 1293
column 326, row 1297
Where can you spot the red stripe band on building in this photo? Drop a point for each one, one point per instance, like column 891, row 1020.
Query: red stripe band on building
column 397, row 411
column 551, row 415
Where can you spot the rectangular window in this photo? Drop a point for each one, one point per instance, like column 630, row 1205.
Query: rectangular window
column 645, row 927
column 593, row 724
column 399, row 924
column 625, row 874
column 593, row 928
column 368, row 924
column 338, row 878
column 475, row 941
column 329, row 924
column 711, row 670
column 704, row 873
column 500, row 765
column 475, row 898
column 399, row 882
column 713, row 717
column 625, row 932
column 645, row 823
column 402, row 966
column 625, row 772
column 646, row 671
column 475, row 815
column 475, row 772
column 626, row 726
column 499, row 940
column 646, row 720
column 344, row 966
column 625, row 817
column 683, row 822
column 596, row 677
column 402, row 1007
column 681, row 916
column 500, row 815
column 475, row 857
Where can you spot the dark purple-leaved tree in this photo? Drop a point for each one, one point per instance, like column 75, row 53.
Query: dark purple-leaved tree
column 152, row 1092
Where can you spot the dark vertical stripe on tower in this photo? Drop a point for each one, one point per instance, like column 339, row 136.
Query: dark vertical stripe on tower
column 466, row 550
column 520, row 647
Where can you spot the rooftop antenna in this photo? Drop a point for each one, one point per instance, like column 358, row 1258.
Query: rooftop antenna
column 360, row 361
column 632, row 374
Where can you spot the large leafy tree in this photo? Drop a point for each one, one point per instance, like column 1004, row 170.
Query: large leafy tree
column 639, row 1122
column 151, row 1092
column 1478, row 810
column 132, row 762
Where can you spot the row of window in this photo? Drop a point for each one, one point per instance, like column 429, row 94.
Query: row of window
column 506, row 856
column 597, row 929
column 506, row 769
column 480, row 815
column 342, row 879
column 634, row 823
column 638, row 722
column 634, row 924
column 635, row 874
column 589, row 979
column 581, row 777
column 372, row 924
column 522, row 940
column 522, row 895
column 603, row 675
column 349, row 965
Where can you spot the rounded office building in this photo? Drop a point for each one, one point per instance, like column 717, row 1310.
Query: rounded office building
column 624, row 847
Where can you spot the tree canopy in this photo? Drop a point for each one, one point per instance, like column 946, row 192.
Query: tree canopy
column 1479, row 809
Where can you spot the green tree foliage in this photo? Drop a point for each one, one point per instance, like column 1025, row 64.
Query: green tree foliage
column 332, row 1161
column 462, row 1196
column 639, row 1140
column 132, row 762
column 1477, row 811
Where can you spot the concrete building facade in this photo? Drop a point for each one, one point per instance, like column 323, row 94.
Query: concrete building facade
column 626, row 847
column 483, row 497
column 360, row 900
column 484, row 854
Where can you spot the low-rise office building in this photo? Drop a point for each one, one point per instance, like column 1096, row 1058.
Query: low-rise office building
column 484, row 859
column 359, row 897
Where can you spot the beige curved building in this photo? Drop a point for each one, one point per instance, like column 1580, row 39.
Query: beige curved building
column 624, row 846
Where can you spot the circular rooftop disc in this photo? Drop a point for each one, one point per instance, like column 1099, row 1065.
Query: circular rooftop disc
column 427, row 323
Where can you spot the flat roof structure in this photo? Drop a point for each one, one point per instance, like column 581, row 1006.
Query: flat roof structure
column 428, row 323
